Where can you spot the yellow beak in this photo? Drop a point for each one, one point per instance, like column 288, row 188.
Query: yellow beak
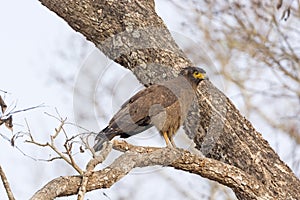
column 200, row 76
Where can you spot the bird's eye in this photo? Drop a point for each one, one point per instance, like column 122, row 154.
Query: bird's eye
column 196, row 73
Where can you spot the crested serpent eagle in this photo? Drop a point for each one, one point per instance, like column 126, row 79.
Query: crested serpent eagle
column 164, row 105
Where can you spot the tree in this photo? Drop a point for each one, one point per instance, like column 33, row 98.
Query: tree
column 236, row 155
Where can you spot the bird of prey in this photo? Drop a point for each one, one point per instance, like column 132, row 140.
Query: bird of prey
column 164, row 105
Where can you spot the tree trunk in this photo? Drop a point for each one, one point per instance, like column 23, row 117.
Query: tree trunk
column 133, row 35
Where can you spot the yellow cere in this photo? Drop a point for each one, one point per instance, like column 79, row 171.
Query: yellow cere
column 199, row 75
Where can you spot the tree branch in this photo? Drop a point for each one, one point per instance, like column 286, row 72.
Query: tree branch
column 6, row 185
column 89, row 170
column 137, row 156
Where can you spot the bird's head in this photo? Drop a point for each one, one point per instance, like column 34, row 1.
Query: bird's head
column 193, row 74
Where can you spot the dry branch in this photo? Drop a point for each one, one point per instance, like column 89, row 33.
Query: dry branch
column 89, row 170
column 6, row 185
column 148, row 156
column 66, row 156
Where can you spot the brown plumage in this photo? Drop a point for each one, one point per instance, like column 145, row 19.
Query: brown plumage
column 163, row 105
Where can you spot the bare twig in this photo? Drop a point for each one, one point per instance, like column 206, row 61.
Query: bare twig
column 90, row 167
column 5, row 92
column 6, row 185
column 26, row 109
column 69, row 158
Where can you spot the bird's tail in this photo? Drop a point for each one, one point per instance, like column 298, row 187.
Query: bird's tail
column 103, row 136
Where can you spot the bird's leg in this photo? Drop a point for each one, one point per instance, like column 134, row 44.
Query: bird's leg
column 172, row 142
column 165, row 135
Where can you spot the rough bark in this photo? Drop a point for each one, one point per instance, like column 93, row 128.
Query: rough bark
column 133, row 35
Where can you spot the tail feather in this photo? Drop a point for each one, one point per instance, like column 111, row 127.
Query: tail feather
column 102, row 137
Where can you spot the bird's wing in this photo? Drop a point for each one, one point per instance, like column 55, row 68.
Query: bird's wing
column 135, row 115
column 150, row 101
